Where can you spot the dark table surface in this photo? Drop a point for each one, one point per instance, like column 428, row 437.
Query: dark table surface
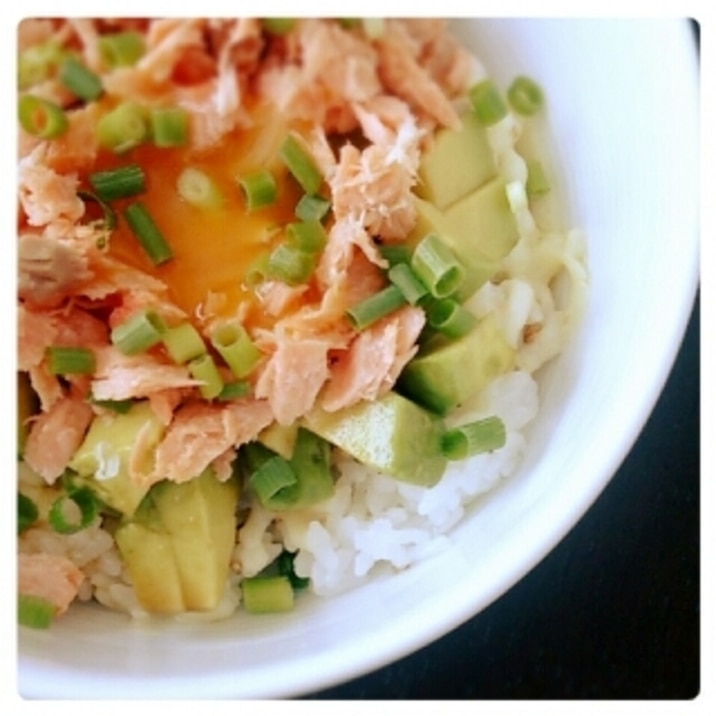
column 613, row 611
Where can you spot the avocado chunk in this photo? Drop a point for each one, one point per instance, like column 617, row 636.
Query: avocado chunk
column 102, row 460
column 178, row 545
column 478, row 267
column 445, row 374
column 391, row 434
column 308, row 465
column 457, row 163
column 483, row 221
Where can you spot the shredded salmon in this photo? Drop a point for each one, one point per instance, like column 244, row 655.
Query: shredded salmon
column 50, row 576
column 55, row 436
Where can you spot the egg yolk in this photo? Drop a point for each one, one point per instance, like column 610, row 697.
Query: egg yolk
column 213, row 247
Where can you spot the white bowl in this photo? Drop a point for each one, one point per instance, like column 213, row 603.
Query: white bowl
column 623, row 98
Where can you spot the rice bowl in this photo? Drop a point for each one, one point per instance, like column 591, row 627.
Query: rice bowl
column 520, row 501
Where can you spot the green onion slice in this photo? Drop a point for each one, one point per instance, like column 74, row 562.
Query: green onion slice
column 70, row 360
column 312, row 207
column 38, row 63
column 27, row 512
column 285, row 563
column 487, row 102
column 204, row 369
column 309, row 236
column 234, row 345
column 375, row 307
column 235, row 390
column 267, row 594
column 119, row 183
column 40, row 117
column 183, row 342
column 34, row 612
column 121, row 49
column 273, row 475
column 138, row 333
column 300, row 163
column 80, row 80
column 395, row 253
column 169, row 127
column 474, row 438
column 290, row 264
column 537, row 183
column 408, row 282
column 110, row 217
column 123, row 128
column 437, row 266
column 148, row 234
column 73, row 512
column 525, row 96
column 278, row 25
column 199, row 189
column 259, row 189
column 450, row 318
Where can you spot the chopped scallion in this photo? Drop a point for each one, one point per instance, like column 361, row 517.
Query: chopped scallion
column 109, row 216
column 34, row 612
column 537, row 183
column 234, row 390
column 235, row 346
column 169, row 126
column 27, row 512
column 259, row 189
column 204, row 369
column 118, row 183
column 473, row 438
column 123, row 127
column 273, row 475
column 525, row 96
column 121, row 49
column 309, row 236
column 267, row 594
column 285, row 563
column 138, row 333
column 278, row 25
column 290, row 264
column 375, row 307
column 312, row 207
column 73, row 512
column 437, row 266
column 80, row 80
column 122, row 407
column 300, row 163
column 408, row 282
column 487, row 102
column 199, row 189
column 38, row 63
column 183, row 342
column 148, row 234
column 40, row 117
column 70, row 360
column 450, row 318
column 395, row 253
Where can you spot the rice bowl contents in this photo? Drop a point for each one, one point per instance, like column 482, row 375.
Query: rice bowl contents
column 283, row 290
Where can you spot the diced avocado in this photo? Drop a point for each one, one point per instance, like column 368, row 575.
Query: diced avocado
column 445, row 375
column 178, row 545
column 457, row 163
column 102, row 460
column 308, row 465
column 484, row 221
column 27, row 406
column 200, row 518
column 479, row 268
column 148, row 553
column 279, row 438
column 391, row 434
